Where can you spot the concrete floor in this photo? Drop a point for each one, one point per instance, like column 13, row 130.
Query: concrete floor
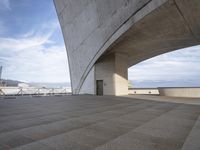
column 100, row 123
column 192, row 101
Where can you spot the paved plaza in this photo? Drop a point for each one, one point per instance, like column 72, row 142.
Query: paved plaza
column 97, row 123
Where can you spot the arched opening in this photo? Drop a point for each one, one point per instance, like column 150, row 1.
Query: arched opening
column 177, row 69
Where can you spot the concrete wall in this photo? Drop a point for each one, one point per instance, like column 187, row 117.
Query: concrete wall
column 180, row 92
column 121, row 74
column 91, row 26
column 112, row 69
column 140, row 29
column 104, row 70
column 89, row 86
column 143, row 91
column 169, row 92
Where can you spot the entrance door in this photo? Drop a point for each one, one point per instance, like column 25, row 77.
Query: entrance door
column 99, row 84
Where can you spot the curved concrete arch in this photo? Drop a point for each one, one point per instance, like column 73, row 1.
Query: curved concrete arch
column 128, row 30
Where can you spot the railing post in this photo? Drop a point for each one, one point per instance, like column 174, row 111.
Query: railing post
column 38, row 92
column 1, row 92
column 52, row 91
column 20, row 91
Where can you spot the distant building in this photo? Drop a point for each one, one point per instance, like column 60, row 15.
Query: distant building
column 23, row 85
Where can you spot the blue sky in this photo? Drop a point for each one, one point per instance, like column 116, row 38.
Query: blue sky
column 31, row 42
column 32, row 50
column 174, row 69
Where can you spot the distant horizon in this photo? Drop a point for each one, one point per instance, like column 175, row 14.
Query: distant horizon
column 135, row 84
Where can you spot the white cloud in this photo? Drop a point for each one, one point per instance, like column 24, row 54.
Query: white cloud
column 29, row 39
column 175, row 66
column 5, row 5
column 9, row 44
column 33, row 57
column 39, row 64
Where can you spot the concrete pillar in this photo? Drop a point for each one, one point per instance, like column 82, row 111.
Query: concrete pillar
column 113, row 70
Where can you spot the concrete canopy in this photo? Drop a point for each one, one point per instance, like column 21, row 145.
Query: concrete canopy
column 139, row 29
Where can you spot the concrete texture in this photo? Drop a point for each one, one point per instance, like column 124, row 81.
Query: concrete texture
column 140, row 29
column 89, row 86
column 143, row 91
column 186, row 100
column 189, row 92
column 97, row 122
column 112, row 69
column 180, row 92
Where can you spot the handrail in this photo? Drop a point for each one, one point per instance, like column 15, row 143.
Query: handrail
column 20, row 91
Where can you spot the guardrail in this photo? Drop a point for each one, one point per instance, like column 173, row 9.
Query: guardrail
column 19, row 91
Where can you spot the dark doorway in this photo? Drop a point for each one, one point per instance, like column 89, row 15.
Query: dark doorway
column 99, row 84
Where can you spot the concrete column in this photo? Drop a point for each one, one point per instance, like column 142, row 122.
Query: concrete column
column 113, row 70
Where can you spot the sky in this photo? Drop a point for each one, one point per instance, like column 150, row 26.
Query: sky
column 32, row 50
column 31, row 43
column 180, row 68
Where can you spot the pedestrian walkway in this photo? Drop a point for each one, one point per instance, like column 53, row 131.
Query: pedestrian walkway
column 97, row 123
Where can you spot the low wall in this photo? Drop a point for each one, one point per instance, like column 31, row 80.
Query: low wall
column 143, row 91
column 180, row 92
column 192, row 92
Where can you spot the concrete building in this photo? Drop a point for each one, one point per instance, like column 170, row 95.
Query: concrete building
column 23, row 85
column 105, row 37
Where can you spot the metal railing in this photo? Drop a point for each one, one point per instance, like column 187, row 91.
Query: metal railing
column 19, row 91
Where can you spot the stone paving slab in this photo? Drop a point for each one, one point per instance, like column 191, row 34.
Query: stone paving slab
column 95, row 122
column 192, row 141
